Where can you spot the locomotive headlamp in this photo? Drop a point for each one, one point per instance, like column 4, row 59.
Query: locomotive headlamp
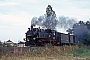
column 54, row 33
column 34, row 38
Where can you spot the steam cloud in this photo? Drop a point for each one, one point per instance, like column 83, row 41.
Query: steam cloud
column 62, row 22
column 66, row 22
column 38, row 21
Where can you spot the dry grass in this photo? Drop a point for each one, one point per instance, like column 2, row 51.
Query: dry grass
column 45, row 58
column 44, row 53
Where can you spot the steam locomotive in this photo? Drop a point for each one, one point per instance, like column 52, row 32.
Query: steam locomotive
column 41, row 37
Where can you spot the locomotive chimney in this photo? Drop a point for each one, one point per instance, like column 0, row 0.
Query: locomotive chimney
column 31, row 27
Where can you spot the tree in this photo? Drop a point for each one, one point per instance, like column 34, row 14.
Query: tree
column 50, row 18
column 1, row 44
column 79, row 30
column 86, row 39
column 88, row 24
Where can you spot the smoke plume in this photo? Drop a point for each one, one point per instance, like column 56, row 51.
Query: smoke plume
column 66, row 22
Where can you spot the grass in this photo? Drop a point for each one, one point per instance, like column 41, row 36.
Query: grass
column 82, row 51
column 49, row 52
column 45, row 58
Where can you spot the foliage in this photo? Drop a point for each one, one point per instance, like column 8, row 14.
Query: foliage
column 50, row 18
column 87, row 39
column 81, row 31
column 82, row 51
column 88, row 24
column 2, row 47
column 1, row 44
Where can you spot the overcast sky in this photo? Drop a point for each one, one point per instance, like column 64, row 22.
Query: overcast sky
column 16, row 15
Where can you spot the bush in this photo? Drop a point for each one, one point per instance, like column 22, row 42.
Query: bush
column 82, row 51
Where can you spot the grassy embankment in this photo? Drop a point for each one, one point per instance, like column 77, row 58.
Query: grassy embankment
column 50, row 53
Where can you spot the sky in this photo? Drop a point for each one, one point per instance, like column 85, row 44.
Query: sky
column 16, row 15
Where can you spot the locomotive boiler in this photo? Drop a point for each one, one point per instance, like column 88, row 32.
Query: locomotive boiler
column 40, row 37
